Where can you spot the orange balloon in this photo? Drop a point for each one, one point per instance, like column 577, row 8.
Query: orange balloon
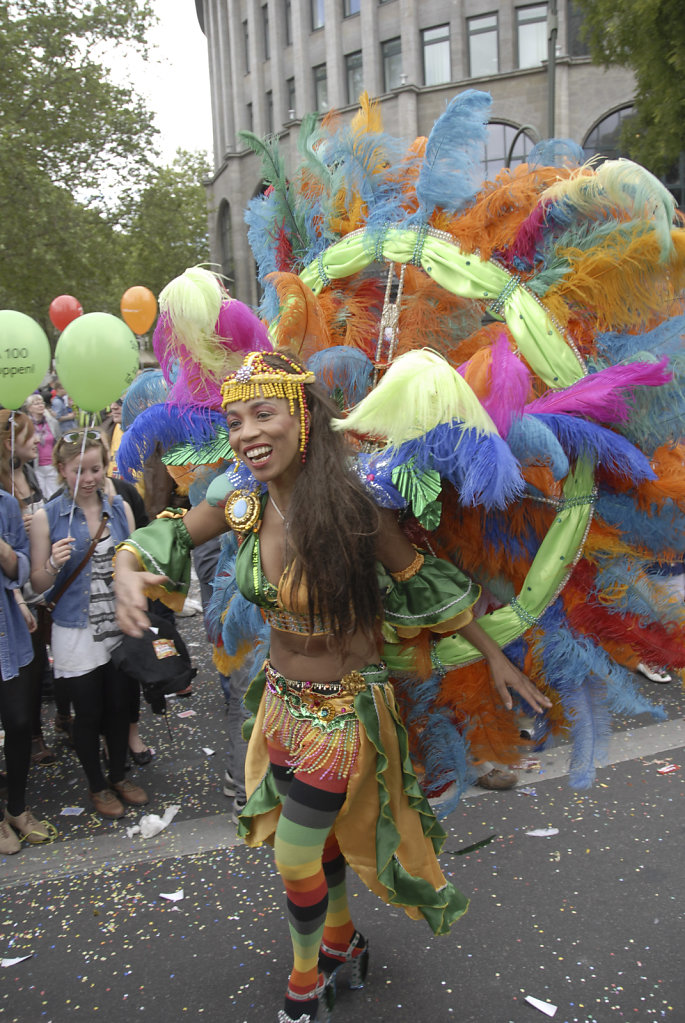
column 139, row 309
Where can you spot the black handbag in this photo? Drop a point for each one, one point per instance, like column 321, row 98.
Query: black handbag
column 159, row 660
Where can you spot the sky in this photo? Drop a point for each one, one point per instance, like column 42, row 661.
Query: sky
column 175, row 83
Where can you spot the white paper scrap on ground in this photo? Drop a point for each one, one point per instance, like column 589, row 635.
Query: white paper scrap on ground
column 543, row 832
column 13, row 962
column 208, row 751
column 546, row 1007
column 151, row 825
column 71, row 811
column 172, row 896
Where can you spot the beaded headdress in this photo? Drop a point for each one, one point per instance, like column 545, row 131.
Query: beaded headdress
column 255, row 378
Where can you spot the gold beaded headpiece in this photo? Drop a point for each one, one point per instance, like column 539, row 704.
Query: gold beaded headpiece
column 255, row 378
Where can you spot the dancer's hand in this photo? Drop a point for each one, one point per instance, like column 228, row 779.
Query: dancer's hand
column 505, row 676
column 130, row 588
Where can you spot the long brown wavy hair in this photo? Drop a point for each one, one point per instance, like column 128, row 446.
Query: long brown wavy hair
column 333, row 524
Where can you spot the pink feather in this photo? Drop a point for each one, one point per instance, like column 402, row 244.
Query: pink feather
column 603, row 396
column 509, row 386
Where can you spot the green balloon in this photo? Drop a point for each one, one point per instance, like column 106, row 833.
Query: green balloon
column 96, row 360
column 24, row 357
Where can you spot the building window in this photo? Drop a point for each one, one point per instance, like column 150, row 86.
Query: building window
column 249, row 116
column 318, row 19
column 265, row 26
column 288, row 18
column 391, row 50
column 354, row 76
column 246, row 46
column 575, row 18
column 350, row 7
column 290, row 97
column 320, row 88
column 436, row 55
column 605, row 138
column 269, row 104
column 531, row 35
column 499, row 152
column 483, row 46
column 226, row 242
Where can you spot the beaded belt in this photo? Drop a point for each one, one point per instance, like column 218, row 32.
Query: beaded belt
column 349, row 685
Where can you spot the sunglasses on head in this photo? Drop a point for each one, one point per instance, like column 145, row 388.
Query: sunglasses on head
column 77, row 435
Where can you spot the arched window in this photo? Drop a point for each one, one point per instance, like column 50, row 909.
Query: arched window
column 604, row 140
column 226, row 245
column 506, row 146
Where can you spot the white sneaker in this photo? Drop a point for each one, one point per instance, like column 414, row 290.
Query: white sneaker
column 238, row 807
column 653, row 674
column 229, row 785
column 190, row 608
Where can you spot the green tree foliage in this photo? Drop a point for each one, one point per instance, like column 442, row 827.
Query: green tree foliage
column 649, row 37
column 68, row 135
column 66, row 132
column 165, row 224
column 61, row 112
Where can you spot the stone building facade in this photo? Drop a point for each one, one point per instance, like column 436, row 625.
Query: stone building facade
column 271, row 61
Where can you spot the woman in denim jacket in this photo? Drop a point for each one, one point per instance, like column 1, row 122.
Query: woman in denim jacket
column 16, row 653
column 84, row 632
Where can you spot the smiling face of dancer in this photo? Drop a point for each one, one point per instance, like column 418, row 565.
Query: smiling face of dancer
column 265, row 436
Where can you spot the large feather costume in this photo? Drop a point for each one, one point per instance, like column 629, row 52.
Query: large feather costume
column 510, row 357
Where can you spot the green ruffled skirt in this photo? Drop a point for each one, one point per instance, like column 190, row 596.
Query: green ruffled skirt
column 386, row 828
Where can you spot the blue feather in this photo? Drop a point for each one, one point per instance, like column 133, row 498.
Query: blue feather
column 149, row 388
column 533, row 443
column 344, row 369
column 657, row 530
column 581, row 438
column 451, row 173
column 556, row 153
column 591, row 686
column 665, row 339
column 160, row 427
column 479, row 465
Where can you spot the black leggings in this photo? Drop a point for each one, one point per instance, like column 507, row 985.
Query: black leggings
column 15, row 714
column 101, row 706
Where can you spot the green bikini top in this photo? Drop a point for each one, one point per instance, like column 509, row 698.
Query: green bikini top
column 283, row 610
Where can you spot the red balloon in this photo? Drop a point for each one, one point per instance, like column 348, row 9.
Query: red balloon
column 63, row 310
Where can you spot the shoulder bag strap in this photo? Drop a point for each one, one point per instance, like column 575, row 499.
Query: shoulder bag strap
column 67, row 582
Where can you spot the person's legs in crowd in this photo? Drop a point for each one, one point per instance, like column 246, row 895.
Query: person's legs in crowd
column 41, row 754
column 16, row 714
column 115, row 727
column 139, row 752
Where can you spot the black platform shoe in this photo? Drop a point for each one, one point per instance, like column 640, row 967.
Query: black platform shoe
column 316, row 1007
column 356, row 954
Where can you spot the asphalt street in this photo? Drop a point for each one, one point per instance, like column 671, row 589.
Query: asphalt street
column 576, row 897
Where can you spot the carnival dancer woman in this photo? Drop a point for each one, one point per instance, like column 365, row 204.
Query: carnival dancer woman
column 328, row 773
column 78, row 531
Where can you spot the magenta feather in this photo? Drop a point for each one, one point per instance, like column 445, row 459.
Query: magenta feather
column 509, row 386
column 604, row 395
column 237, row 330
column 525, row 244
